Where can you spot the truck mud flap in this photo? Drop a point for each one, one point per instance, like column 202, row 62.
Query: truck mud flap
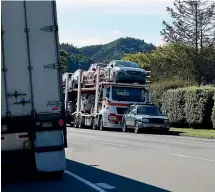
column 50, row 159
column 49, row 151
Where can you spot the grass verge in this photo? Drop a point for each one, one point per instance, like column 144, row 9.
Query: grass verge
column 204, row 133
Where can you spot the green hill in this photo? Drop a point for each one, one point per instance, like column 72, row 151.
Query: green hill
column 83, row 57
column 116, row 49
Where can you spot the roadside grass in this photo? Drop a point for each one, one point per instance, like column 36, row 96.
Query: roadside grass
column 203, row 133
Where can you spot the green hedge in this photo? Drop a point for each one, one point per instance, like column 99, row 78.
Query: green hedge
column 173, row 107
column 159, row 88
column 189, row 106
column 213, row 114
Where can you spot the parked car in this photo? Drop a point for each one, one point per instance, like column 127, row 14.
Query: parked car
column 125, row 72
column 148, row 116
column 89, row 76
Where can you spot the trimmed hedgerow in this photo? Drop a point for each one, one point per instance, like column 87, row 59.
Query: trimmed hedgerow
column 213, row 114
column 198, row 106
column 173, row 107
column 159, row 88
column 190, row 105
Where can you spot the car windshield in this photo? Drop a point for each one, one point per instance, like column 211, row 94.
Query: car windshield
column 128, row 94
column 126, row 64
column 149, row 110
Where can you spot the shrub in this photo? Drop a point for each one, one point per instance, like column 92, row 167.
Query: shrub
column 190, row 105
column 173, row 107
column 213, row 114
column 159, row 88
column 198, row 106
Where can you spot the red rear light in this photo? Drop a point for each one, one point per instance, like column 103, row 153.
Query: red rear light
column 114, row 117
column 61, row 122
column 55, row 108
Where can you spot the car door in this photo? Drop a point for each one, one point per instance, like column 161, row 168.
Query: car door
column 133, row 114
column 129, row 116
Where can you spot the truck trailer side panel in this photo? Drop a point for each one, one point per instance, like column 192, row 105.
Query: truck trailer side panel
column 32, row 101
column 15, row 73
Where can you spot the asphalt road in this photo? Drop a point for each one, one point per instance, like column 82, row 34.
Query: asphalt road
column 115, row 161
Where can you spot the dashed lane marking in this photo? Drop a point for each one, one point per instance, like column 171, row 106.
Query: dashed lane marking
column 105, row 186
column 86, row 182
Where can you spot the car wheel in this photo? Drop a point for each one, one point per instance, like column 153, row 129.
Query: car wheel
column 136, row 127
column 167, row 130
column 101, row 126
column 124, row 127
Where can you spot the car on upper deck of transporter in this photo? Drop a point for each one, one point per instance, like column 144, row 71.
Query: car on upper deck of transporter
column 144, row 116
column 125, row 72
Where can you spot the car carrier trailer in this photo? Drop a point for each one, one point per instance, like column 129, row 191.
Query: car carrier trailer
column 32, row 102
column 107, row 111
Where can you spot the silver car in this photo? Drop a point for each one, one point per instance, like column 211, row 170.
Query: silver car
column 139, row 117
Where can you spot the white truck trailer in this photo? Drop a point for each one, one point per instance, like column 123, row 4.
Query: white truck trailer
column 32, row 103
column 111, row 101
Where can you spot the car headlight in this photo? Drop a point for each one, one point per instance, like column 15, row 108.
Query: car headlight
column 145, row 120
column 166, row 121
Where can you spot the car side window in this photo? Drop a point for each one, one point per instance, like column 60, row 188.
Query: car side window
column 133, row 111
column 132, row 108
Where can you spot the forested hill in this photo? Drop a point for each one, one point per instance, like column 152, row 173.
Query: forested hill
column 83, row 57
column 116, row 49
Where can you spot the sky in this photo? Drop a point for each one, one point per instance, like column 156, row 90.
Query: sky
column 92, row 22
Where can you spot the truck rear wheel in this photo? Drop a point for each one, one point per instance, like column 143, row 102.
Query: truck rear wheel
column 94, row 126
column 56, row 175
column 101, row 125
column 75, row 122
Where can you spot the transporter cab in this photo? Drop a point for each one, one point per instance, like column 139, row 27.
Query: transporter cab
column 111, row 101
column 115, row 100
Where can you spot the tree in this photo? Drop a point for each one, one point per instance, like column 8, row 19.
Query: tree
column 167, row 62
column 194, row 26
column 63, row 60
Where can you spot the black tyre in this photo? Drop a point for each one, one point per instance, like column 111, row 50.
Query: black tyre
column 136, row 127
column 167, row 130
column 58, row 175
column 75, row 122
column 94, row 126
column 101, row 126
column 124, row 127
column 80, row 122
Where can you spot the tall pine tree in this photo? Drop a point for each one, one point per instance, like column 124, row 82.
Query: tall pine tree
column 194, row 26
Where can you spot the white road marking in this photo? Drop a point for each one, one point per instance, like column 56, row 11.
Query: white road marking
column 115, row 144
column 179, row 155
column 105, row 186
column 85, row 181
column 109, row 143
